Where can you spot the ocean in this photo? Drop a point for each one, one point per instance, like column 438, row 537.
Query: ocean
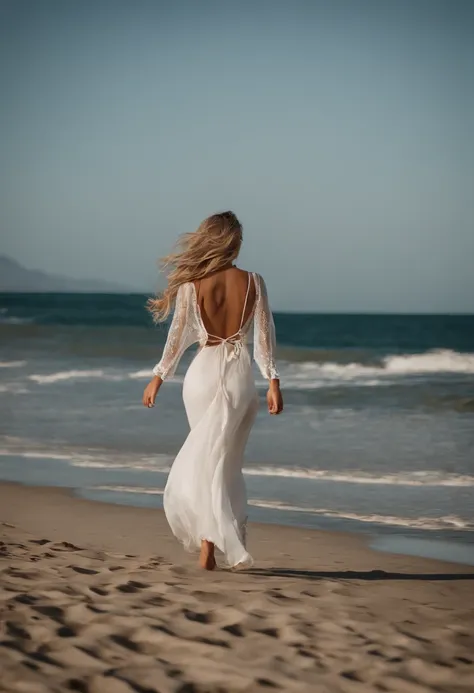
column 377, row 435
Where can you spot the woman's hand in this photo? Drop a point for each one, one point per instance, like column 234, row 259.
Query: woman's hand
column 274, row 398
column 150, row 392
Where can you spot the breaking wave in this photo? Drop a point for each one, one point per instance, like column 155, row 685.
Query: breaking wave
column 47, row 378
column 306, row 374
column 311, row 374
column 427, row 523
column 417, row 478
column 431, row 523
column 161, row 463
column 146, row 490
column 92, row 374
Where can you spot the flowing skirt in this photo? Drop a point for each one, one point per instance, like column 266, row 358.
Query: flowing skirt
column 205, row 495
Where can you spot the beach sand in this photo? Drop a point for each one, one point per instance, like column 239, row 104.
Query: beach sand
column 100, row 598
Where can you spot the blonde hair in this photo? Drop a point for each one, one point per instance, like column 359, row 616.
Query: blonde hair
column 214, row 245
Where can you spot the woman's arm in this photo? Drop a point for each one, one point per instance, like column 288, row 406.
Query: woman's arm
column 265, row 347
column 180, row 337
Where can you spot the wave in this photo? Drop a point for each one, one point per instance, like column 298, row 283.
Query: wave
column 47, row 378
column 306, row 375
column 144, row 373
column 437, row 361
column 430, row 523
column 13, row 389
column 428, row 478
column 94, row 374
column 15, row 321
column 12, row 364
column 146, row 490
column 93, row 458
column 155, row 464
column 422, row 478
column 6, row 319
column 161, row 463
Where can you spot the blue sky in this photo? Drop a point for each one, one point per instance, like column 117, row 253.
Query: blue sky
column 340, row 132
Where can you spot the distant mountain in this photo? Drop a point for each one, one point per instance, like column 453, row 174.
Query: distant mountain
column 15, row 277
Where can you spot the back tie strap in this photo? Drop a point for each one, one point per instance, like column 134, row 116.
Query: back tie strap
column 235, row 340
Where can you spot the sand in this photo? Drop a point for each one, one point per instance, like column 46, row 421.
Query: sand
column 99, row 598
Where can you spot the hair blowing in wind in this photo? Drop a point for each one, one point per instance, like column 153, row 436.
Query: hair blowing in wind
column 214, row 245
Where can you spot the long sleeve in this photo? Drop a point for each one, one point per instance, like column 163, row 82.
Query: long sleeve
column 182, row 333
column 264, row 333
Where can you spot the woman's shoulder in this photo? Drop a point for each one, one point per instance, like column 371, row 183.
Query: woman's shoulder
column 257, row 277
column 186, row 290
column 245, row 272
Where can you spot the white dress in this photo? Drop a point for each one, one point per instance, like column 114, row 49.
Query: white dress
column 205, row 496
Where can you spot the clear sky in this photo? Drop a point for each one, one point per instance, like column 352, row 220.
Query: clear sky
column 341, row 132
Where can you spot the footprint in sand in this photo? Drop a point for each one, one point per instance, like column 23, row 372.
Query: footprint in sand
column 83, row 571
column 234, row 629
column 196, row 616
column 157, row 601
column 25, row 599
column 125, row 642
column 132, row 586
column 53, row 612
column 40, row 542
column 17, row 631
column 65, row 546
column 66, row 632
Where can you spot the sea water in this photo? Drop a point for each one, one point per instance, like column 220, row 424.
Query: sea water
column 377, row 433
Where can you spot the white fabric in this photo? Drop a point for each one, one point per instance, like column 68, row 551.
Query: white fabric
column 205, row 496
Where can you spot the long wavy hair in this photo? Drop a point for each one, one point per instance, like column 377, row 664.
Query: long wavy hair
column 214, row 245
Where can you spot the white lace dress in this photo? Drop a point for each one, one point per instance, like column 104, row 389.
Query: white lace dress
column 205, row 496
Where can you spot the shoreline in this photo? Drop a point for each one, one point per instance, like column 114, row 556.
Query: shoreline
column 16, row 496
column 406, row 542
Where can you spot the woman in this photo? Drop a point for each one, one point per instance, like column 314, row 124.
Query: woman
column 215, row 305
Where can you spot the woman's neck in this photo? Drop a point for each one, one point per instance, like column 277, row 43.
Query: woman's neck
column 224, row 268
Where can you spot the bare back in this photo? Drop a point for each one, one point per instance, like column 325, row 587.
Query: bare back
column 226, row 300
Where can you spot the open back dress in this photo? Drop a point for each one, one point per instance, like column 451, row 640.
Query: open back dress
column 205, row 495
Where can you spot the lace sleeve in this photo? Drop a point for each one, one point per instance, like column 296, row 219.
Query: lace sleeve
column 181, row 334
column 264, row 333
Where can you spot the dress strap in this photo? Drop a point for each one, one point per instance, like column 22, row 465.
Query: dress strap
column 224, row 339
column 245, row 304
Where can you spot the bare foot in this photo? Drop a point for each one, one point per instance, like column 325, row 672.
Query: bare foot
column 206, row 559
